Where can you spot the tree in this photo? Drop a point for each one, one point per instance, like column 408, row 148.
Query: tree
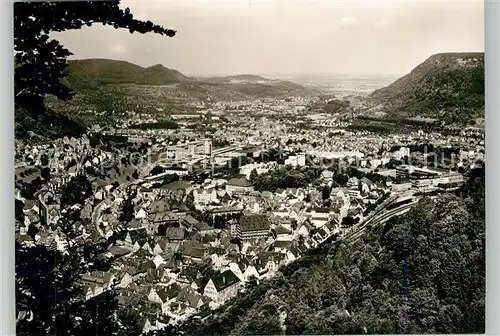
column 253, row 175
column 18, row 208
column 162, row 230
column 135, row 175
column 45, row 173
column 127, row 213
column 49, row 297
column 40, row 62
column 76, row 191
column 325, row 193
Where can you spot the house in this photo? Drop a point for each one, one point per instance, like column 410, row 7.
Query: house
column 222, row 287
column 140, row 212
column 164, row 295
column 319, row 216
column 292, row 254
column 239, row 185
column 175, row 233
column 193, row 253
column 326, row 176
column 135, row 236
column 251, row 272
column 401, row 186
column 305, row 228
column 367, row 185
column 281, row 245
column 160, row 246
column 159, row 206
column 283, row 233
column 235, row 268
column 205, row 196
column 86, row 212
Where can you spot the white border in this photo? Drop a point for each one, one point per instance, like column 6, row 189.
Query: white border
column 492, row 66
column 7, row 237
column 492, row 41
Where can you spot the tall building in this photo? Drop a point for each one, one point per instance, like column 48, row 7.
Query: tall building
column 253, row 226
column 404, row 151
column 208, row 147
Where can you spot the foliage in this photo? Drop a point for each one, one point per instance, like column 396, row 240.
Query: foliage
column 40, row 62
column 253, row 175
column 127, row 213
column 286, row 177
column 53, row 125
column 76, row 191
column 447, row 87
column 165, row 124
column 48, row 291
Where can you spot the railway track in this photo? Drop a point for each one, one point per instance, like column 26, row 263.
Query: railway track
column 379, row 220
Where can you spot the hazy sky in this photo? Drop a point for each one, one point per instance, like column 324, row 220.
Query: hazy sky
column 288, row 37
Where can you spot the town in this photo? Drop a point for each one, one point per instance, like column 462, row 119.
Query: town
column 204, row 212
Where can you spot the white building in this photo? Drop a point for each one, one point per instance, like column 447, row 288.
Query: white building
column 223, row 287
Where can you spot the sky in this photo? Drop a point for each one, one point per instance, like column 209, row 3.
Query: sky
column 293, row 37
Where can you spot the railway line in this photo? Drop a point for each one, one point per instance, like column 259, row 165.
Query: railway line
column 376, row 220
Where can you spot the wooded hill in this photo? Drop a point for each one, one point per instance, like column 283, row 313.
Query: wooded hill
column 447, row 86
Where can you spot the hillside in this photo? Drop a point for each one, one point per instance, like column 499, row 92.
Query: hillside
column 358, row 289
column 447, row 86
column 247, row 77
column 91, row 72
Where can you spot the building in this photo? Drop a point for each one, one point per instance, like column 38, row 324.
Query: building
column 222, row 287
column 208, row 147
column 253, row 226
column 414, row 173
column 299, row 160
column 189, row 149
column 319, row 216
column 401, row 186
column 239, row 185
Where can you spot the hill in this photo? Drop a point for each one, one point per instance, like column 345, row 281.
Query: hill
column 92, row 72
column 447, row 86
column 247, row 77
column 357, row 288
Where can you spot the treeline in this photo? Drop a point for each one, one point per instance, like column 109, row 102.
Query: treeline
column 360, row 288
column 409, row 121
column 285, row 177
column 164, row 124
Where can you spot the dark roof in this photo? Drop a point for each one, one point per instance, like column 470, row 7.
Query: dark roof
column 225, row 280
column 119, row 251
column 202, row 226
column 322, row 210
column 250, row 223
column 367, row 181
column 190, row 220
column 159, row 206
column 145, row 266
column 282, row 230
column 168, row 292
column 138, row 235
column 175, row 233
column 281, row 243
column 239, row 182
column 194, row 252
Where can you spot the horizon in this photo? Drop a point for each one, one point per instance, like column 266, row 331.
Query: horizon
column 284, row 75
